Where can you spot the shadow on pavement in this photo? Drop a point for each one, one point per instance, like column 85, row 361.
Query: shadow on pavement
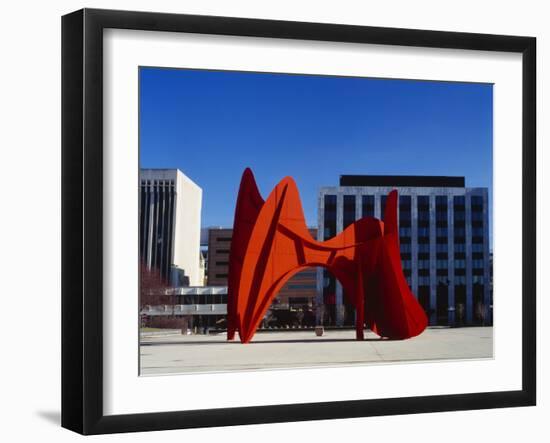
column 237, row 342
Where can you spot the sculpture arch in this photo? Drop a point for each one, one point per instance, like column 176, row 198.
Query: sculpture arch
column 271, row 243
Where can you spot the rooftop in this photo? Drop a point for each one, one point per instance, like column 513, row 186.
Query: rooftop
column 421, row 181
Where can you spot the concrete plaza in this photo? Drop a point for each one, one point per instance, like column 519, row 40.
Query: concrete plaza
column 292, row 349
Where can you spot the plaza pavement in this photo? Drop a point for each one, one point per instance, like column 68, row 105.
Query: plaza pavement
column 293, row 349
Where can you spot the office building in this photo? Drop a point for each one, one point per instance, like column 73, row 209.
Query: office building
column 169, row 220
column 194, row 308
column 219, row 245
column 298, row 293
column 444, row 241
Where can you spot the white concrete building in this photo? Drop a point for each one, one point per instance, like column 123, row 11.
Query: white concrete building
column 170, row 220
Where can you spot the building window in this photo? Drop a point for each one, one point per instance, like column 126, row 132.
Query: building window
column 349, row 210
column 477, row 279
column 459, row 203
column 459, row 216
column 424, row 217
column 423, row 203
column 423, row 281
column 299, row 300
column 304, row 286
column 477, row 232
column 424, row 248
column 441, row 216
column 460, row 280
column 423, row 232
column 460, row 231
column 367, row 203
column 477, row 216
column 477, row 203
column 477, row 247
column 330, row 216
column 405, row 248
column 405, row 202
column 405, row 210
column 441, row 200
column 477, row 264
column 423, row 264
column 307, row 274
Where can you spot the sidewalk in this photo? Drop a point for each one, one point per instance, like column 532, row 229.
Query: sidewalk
column 269, row 350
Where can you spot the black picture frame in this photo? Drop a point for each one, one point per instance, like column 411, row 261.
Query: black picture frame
column 82, row 215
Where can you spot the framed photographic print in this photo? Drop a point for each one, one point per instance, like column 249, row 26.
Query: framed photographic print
column 269, row 221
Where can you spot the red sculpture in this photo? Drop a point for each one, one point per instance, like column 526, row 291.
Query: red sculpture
column 271, row 243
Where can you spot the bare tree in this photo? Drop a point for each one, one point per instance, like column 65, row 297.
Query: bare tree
column 154, row 289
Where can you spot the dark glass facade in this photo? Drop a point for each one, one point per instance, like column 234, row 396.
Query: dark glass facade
column 444, row 245
column 157, row 202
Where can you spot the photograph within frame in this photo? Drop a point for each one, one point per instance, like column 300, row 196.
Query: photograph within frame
column 216, row 124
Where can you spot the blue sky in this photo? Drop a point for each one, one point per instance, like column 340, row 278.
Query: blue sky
column 213, row 124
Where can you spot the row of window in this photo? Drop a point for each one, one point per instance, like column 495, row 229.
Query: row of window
column 423, row 218
column 459, row 280
column 405, row 231
column 444, row 264
column 305, row 286
column 203, row 299
column 307, row 274
column 424, row 248
column 156, row 232
column 157, row 183
column 440, row 232
column 423, row 204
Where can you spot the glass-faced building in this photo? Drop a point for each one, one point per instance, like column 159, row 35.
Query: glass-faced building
column 444, row 241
